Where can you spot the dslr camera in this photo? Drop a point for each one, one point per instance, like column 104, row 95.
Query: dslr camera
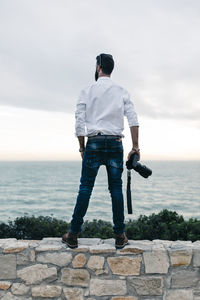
column 133, row 163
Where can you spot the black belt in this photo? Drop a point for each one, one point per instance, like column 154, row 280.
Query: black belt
column 99, row 135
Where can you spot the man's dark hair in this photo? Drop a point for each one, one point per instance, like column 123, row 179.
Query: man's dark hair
column 106, row 62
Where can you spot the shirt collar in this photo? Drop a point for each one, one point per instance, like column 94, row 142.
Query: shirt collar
column 103, row 78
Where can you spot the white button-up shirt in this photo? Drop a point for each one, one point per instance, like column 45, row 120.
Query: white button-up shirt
column 101, row 107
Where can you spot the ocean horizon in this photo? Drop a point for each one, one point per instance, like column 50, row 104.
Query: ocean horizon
column 50, row 187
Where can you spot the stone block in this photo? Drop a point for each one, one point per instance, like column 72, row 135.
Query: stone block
column 2, row 293
column 19, row 288
column 6, row 241
column 146, row 285
column 196, row 257
column 179, row 294
column 156, row 261
column 165, row 243
column 7, row 266
column 47, row 291
column 79, row 261
column 73, row 293
column 101, row 287
column 89, row 241
column 25, row 257
column 196, row 290
column 130, row 250
column 79, row 249
column 86, row 292
column 101, row 271
column 180, row 254
column 134, row 247
column 60, row 259
column 96, row 262
column 4, row 285
column 196, row 243
column 185, row 279
column 48, row 247
column 180, row 258
column 15, row 246
column 103, row 248
column 110, row 241
column 9, row 296
column 51, row 241
column 125, row 265
column 34, row 244
column 180, row 243
column 142, row 245
column 73, row 277
column 124, row 298
column 36, row 273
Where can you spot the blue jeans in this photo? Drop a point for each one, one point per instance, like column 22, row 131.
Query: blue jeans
column 108, row 151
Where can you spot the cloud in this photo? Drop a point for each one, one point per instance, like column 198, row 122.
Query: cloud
column 48, row 51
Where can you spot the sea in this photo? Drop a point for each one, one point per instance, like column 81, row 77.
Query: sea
column 50, row 188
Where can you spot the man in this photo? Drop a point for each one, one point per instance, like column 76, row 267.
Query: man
column 101, row 108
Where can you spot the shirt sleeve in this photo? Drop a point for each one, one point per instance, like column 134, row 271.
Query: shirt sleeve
column 129, row 110
column 80, row 115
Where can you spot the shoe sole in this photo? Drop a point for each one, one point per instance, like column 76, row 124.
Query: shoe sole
column 116, row 246
column 70, row 246
column 121, row 246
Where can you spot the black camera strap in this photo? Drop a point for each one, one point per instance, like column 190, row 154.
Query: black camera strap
column 128, row 192
column 133, row 164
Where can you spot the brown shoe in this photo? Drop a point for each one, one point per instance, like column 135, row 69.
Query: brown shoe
column 70, row 239
column 120, row 240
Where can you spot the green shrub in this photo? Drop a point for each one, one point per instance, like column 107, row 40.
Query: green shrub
column 166, row 225
column 98, row 229
column 33, row 228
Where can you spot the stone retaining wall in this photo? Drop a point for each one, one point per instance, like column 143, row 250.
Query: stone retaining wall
column 47, row 269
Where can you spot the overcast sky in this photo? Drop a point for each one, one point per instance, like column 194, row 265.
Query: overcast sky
column 47, row 55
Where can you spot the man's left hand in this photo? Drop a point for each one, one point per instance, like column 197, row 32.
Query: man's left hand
column 134, row 151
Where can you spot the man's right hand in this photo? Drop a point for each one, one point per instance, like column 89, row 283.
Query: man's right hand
column 134, row 151
column 134, row 135
column 82, row 153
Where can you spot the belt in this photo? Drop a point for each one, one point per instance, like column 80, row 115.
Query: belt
column 100, row 135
